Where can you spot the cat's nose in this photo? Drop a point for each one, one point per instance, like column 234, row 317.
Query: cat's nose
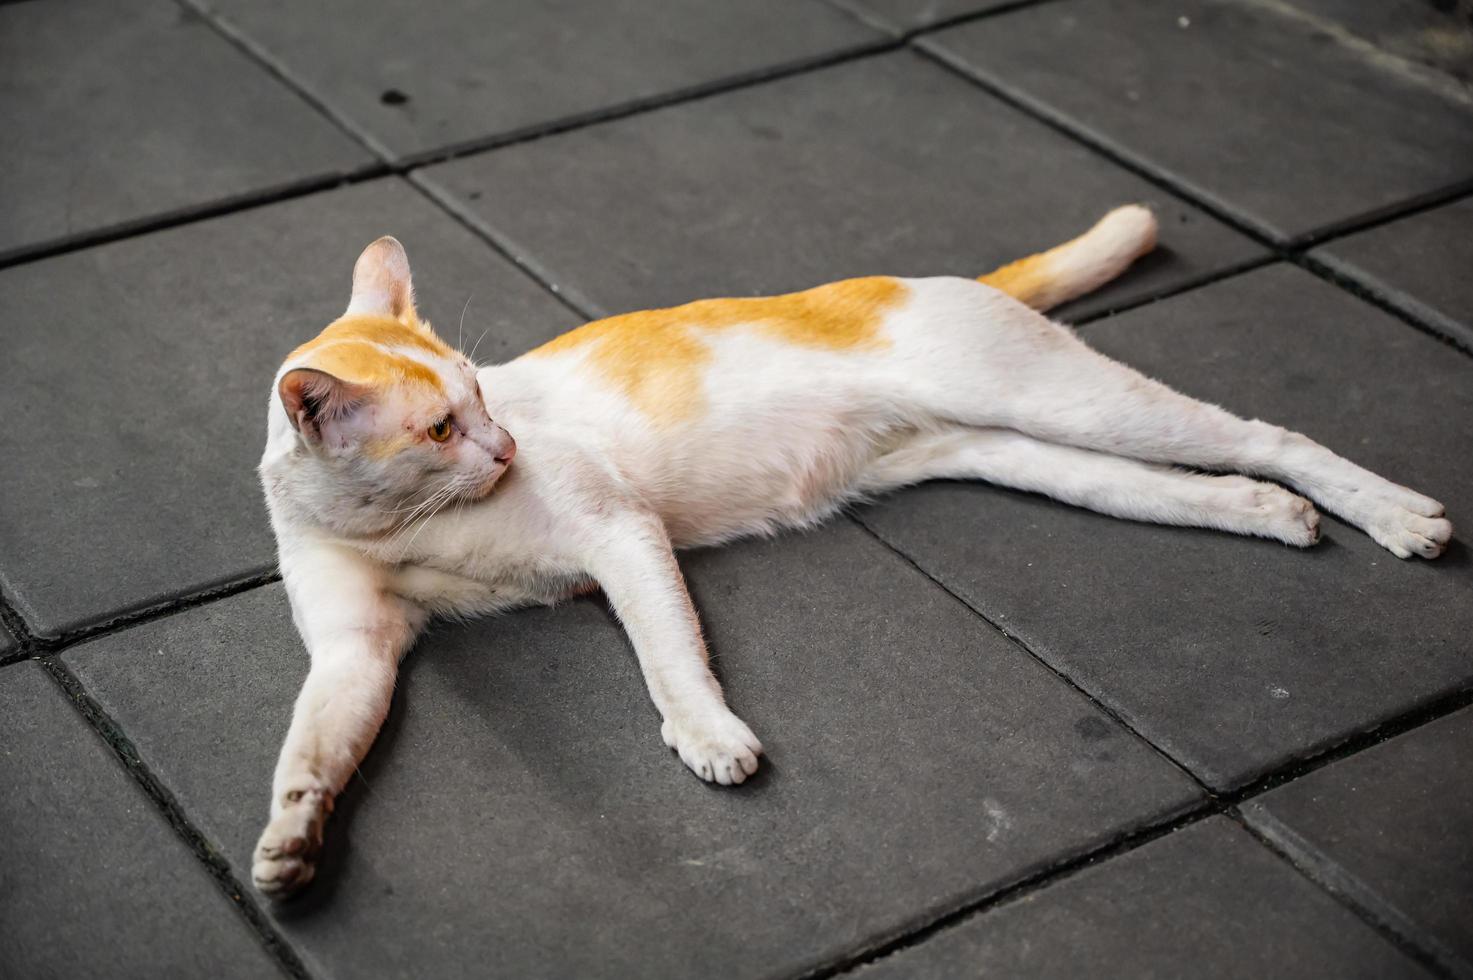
column 507, row 449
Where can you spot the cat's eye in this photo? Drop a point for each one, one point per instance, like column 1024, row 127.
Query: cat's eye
column 440, row 431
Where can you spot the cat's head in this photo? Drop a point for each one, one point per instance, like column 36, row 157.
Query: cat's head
column 384, row 421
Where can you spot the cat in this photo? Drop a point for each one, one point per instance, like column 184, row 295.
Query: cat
column 403, row 482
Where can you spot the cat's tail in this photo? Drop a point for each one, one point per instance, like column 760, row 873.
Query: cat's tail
column 1083, row 265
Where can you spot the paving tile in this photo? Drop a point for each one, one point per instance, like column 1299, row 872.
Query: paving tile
column 1395, row 819
column 1237, row 654
column 1419, row 263
column 115, row 113
column 915, row 756
column 136, row 375
column 1254, row 110
column 1437, row 34
column 421, row 76
column 899, row 16
column 92, row 881
column 889, row 164
column 1208, row 901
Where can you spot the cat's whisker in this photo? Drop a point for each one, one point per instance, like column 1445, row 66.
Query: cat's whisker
column 472, row 355
column 443, row 495
column 460, row 334
column 420, row 508
column 454, row 488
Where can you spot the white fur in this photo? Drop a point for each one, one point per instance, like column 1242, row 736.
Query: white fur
column 971, row 383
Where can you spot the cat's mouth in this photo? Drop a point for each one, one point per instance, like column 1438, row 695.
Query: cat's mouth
column 502, row 461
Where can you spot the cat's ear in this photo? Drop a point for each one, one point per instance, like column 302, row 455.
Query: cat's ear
column 313, row 399
column 381, row 283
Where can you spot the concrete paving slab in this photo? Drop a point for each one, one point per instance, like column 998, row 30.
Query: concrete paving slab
column 93, row 882
column 1208, row 901
column 1394, row 820
column 419, row 77
column 1419, row 264
column 1438, row 34
column 1235, row 654
column 121, row 113
column 1252, row 109
column 136, row 375
column 520, row 817
column 900, row 16
column 889, row 164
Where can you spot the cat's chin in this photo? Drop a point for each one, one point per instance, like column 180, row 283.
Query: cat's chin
column 488, row 486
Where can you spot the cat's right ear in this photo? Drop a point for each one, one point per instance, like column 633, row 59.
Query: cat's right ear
column 313, row 399
column 381, row 282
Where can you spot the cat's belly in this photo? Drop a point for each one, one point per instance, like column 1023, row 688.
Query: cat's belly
column 452, row 593
column 795, row 480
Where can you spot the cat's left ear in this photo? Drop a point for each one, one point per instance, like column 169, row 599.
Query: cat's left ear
column 314, row 399
column 381, row 282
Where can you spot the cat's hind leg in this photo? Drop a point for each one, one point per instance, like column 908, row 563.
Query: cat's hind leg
column 1087, row 400
column 974, row 358
column 1108, row 484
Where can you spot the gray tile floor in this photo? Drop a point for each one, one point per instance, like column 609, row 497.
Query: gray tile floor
column 1005, row 737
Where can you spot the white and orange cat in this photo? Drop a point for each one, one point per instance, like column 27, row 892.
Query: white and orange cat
column 405, row 482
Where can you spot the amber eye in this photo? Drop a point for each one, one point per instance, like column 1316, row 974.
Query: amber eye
column 440, row 431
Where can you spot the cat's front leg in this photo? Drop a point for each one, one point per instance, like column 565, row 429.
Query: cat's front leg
column 634, row 563
column 355, row 631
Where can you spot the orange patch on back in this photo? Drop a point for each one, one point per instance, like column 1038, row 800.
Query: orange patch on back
column 366, row 350
column 656, row 356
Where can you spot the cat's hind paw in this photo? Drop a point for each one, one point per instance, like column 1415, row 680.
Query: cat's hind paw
column 1405, row 533
column 719, row 748
column 286, row 856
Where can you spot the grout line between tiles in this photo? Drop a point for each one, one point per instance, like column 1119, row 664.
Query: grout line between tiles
column 1007, row 892
column 878, row 22
column 187, row 216
column 571, row 299
column 203, row 849
column 33, row 647
column 1022, row 645
column 30, row 646
column 652, row 103
column 1215, row 802
column 1291, row 249
column 258, row 54
column 1452, row 335
column 422, row 158
column 1351, row 893
column 1212, row 278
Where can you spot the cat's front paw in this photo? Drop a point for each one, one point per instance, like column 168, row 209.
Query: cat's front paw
column 718, row 747
column 286, row 856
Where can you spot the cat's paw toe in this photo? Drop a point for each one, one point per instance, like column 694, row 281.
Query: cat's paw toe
column 1405, row 533
column 719, row 749
column 1407, row 499
column 283, row 875
column 286, row 855
column 1287, row 516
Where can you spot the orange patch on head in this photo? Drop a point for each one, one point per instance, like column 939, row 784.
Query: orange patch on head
column 383, row 330
column 371, row 350
column 382, row 449
column 656, row 356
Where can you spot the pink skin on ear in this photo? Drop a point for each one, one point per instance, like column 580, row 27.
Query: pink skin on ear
column 312, row 397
